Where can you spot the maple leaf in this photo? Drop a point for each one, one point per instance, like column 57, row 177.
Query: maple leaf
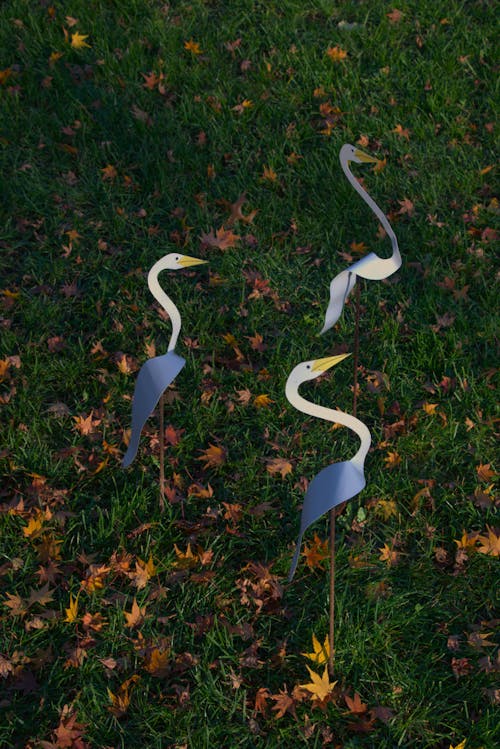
column 402, row 132
column 213, row 456
column 319, row 687
column 284, row 703
column 407, row 207
column 135, row 617
column 392, row 460
column 185, row 559
column 459, row 746
column 388, row 555
column 316, row 554
column 321, row 653
column 78, row 40
column 34, row 527
column 223, row 239
column 143, row 572
column 16, row 604
column 395, row 16
column 86, row 424
column 387, row 507
column 41, row 596
column 336, row 54
column 72, row 611
column 157, row 662
column 109, row 173
column 93, row 621
column 237, row 213
column 484, row 472
column 279, row 465
column 121, row 700
column 261, row 697
column 269, row 174
column 193, row 47
column 355, row 705
column 262, row 401
column 490, row 544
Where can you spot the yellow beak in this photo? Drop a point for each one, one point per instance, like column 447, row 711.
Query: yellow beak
column 186, row 261
column 366, row 158
column 330, row 361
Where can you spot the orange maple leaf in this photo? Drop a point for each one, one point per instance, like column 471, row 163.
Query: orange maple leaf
column 262, row 401
column 316, row 553
column 135, row 617
column 279, row 465
column 389, row 555
column 213, row 457
column 121, row 700
column 223, row 239
column 193, row 47
column 484, row 472
column 336, row 54
column 402, row 132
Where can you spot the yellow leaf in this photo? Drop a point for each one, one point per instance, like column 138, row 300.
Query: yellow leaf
column 121, row 700
column 459, row 746
column 319, row 686
column 32, row 530
column 72, row 611
column 78, row 40
column 388, row 555
column 321, row 653
column 185, row 559
column 193, row 47
column 430, row 408
column 490, row 544
column 386, row 507
column 262, row 401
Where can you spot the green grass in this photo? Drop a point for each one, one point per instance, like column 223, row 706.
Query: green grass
column 61, row 123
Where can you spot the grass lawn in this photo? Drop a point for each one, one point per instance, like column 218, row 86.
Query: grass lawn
column 136, row 128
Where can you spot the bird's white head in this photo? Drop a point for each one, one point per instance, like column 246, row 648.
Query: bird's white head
column 176, row 261
column 350, row 153
column 309, row 370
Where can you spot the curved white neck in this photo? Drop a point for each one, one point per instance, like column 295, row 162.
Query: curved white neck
column 329, row 414
column 165, row 302
column 344, row 163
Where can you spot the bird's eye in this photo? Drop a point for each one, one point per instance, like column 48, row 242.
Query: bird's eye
column 308, row 366
column 177, row 257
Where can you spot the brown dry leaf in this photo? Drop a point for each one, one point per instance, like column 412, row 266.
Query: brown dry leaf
column 283, row 703
column 315, row 555
column 355, row 705
column 279, row 465
column 395, row 16
column 41, row 596
column 213, row 457
column 16, row 604
column 260, row 706
column 223, row 239
column 407, row 207
column 86, row 424
column 135, row 617
column 484, row 472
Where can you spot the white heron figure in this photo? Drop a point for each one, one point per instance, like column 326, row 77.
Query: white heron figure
column 337, row 482
column 371, row 267
column 157, row 373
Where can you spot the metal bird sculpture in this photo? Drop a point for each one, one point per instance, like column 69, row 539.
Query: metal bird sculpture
column 157, row 373
column 340, row 481
column 371, row 267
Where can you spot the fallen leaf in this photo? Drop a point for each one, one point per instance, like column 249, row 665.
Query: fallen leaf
column 78, row 40
column 213, row 457
column 72, row 610
column 321, row 653
column 490, row 544
column 336, row 54
column 319, row 687
column 316, row 554
column 279, row 465
column 135, row 617
column 121, row 700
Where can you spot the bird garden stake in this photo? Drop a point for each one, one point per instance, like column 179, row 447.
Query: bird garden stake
column 157, row 373
column 371, row 267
